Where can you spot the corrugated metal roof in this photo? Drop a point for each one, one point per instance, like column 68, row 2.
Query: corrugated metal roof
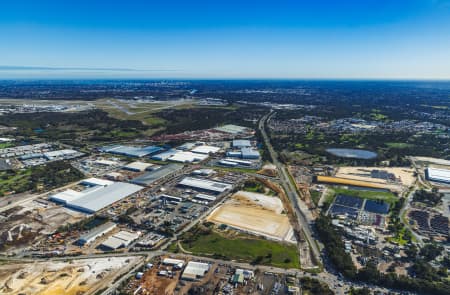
column 195, row 269
column 438, row 174
column 98, row 231
column 151, row 176
column 239, row 143
column 101, row 198
column 209, row 185
column 205, row 149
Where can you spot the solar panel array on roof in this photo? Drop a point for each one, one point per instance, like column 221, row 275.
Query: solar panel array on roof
column 379, row 207
column 349, row 201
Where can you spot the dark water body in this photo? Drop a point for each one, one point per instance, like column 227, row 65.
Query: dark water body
column 352, row 153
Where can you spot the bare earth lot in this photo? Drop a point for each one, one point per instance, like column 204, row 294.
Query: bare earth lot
column 52, row 278
column 255, row 213
column 404, row 176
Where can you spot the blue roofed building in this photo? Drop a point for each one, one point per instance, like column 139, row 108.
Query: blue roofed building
column 249, row 153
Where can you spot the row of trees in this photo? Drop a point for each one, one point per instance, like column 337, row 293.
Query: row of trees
column 431, row 198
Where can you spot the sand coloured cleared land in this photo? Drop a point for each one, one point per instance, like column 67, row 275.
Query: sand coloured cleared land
column 54, row 278
column 405, row 176
column 254, row 213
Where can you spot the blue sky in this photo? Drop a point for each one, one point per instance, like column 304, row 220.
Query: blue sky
column 225, row 39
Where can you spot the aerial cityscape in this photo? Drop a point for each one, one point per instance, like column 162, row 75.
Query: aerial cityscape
column 225, row 148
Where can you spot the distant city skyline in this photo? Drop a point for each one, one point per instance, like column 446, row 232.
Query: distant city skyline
column 226, row 39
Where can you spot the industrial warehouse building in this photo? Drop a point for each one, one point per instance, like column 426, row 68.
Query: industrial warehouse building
column 176, row 263
column 188, row 157
column 202, row 198
column 95, row 233
column 438, row 175
column 205, row 149
column 195, row 270
column 120, row 240
column 150, row 177
column 95, row 197
column 205, row 185
column 131, row 151
column 241, row 143
column 249, row 153
column 137, row 166
column 164, row 156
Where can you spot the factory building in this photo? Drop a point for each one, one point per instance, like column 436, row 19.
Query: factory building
column 150, row 177
column 137, row 166
column 120, row 240
column 96, row 182
column 241, row 143
column 95, row 197
column 95, row 233
column 205, row 185
column 438, row 175
column 202, row 198
column 176, row 263
column 188, row 157
column 195, row 270
column 186, row 146
column 238, row 162
column 249, row 153
column 203, row 172
column 131, row 151
column 170, row 198
column 228, row 163
column 62, row 154
column 205, row 149
column 164, row 156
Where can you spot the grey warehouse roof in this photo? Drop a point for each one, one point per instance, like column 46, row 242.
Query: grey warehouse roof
column 152, row 176
column 97, row 231
column 101, row 198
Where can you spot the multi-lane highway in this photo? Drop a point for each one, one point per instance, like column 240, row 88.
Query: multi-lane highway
column 290, row 189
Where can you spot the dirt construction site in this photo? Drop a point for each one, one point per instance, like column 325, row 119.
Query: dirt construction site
column 402, row 177
column 256, row 214
column 54, row 278
column 22, row 226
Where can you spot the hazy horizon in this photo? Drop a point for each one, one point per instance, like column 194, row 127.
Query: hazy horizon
column 369, row 40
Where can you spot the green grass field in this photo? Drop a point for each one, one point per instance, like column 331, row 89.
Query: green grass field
column 13, row 181
column 4, row 145
column 244, row 249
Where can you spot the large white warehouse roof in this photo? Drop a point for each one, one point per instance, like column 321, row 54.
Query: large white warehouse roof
column 205, row 149
column 208, row 185
column 96, row 198
column 96, row 181
column 187, row 157
column 441, row 175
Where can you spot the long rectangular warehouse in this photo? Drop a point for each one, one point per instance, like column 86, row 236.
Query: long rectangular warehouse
column 439, row 175
column 205, row 185
column 150, row 177
column 96, row 198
